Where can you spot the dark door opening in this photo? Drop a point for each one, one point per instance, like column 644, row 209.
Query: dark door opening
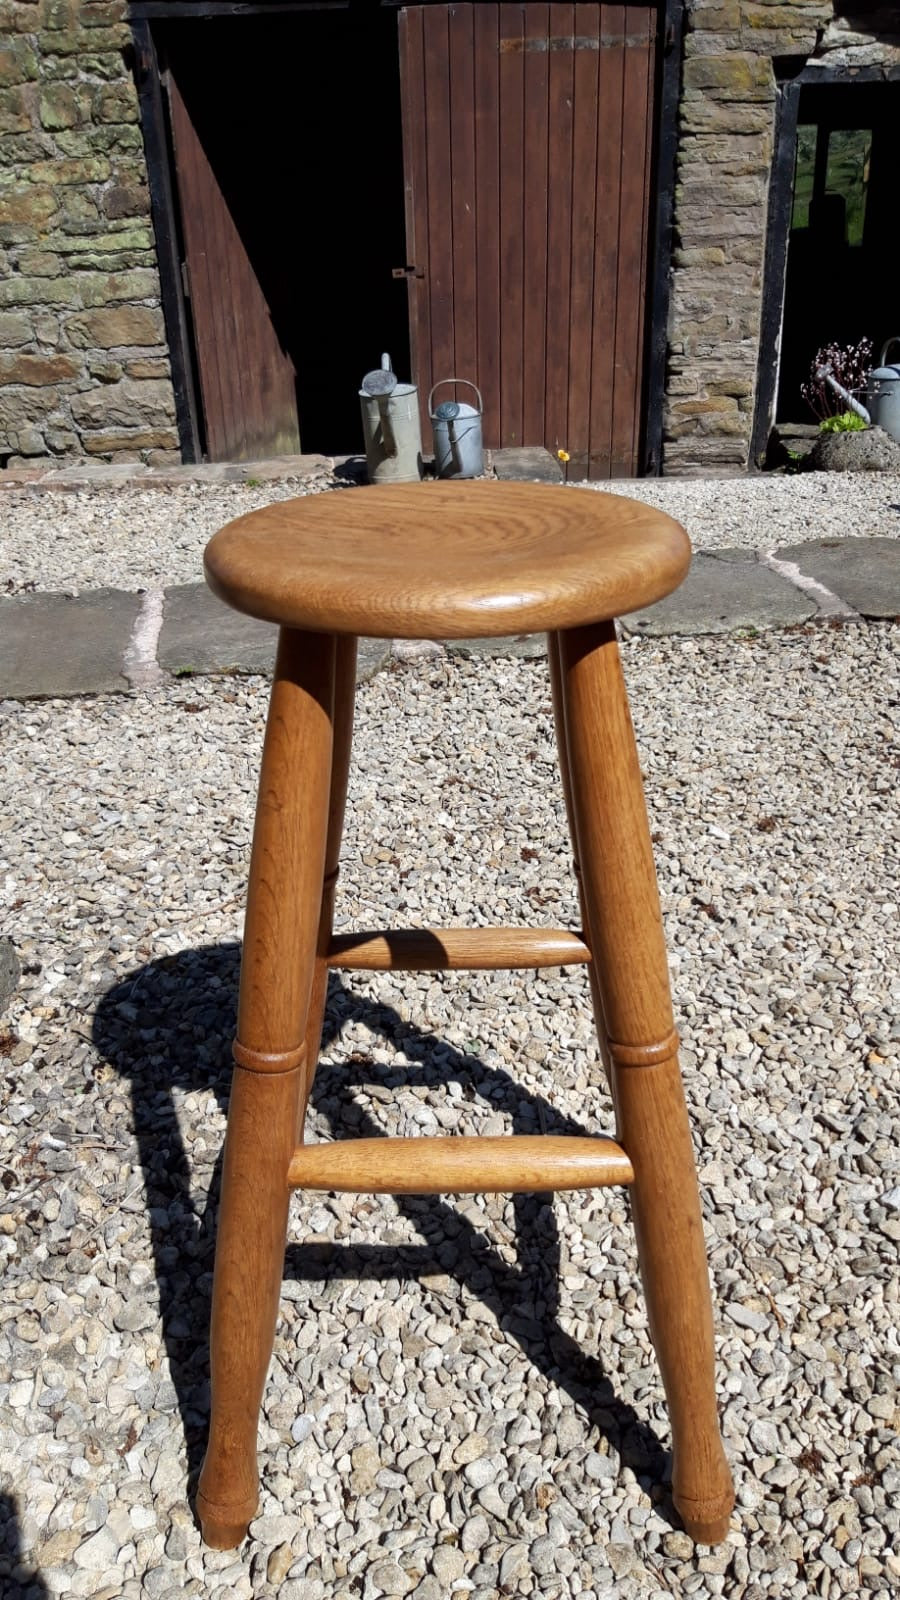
column 841, row 282
column 288, row 170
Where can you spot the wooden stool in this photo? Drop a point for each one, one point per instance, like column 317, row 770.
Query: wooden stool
column 436, row 561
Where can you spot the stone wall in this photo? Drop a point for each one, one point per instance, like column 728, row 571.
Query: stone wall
column 726, row 138
column 864, row 33
column 84, row 366
column 726, row 135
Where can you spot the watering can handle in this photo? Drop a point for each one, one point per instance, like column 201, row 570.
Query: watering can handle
column 895, row 340
column 466, row 381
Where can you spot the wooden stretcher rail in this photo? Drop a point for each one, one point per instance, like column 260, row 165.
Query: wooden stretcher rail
column 515, row 1164
column 457, row 949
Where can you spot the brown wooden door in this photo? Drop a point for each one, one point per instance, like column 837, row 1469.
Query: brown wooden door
column 528, row 133
column 246, row 376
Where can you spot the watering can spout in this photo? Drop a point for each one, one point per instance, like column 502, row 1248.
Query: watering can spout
column 849, row 400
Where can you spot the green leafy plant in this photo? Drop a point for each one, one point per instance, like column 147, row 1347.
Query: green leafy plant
column 845, row 422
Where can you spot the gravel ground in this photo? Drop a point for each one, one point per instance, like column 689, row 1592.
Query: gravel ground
column 132, row 537
column 138, row 538
column 463, row 1400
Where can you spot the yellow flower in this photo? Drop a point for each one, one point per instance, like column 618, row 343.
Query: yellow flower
column 562, row 455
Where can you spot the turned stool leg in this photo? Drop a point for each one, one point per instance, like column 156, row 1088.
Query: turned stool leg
column 557, row 690
column 627, row 944
column 283, row 903
column 344, row 703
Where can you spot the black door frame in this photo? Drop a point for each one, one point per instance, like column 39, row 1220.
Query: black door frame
column 778, row 226
column 164, row 212
column 142, row 14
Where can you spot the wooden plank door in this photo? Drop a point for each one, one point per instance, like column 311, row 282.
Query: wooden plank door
column 528, row 137
column 246, row 376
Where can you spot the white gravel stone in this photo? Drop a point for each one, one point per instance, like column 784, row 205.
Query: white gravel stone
column 386, row 1577
column 481, row 1472
column 448, row 1564
column 474, row 1534
column 765, row 511
column 128, row 537
column 135, row 537
column 99, row 1552
column 747, row 1318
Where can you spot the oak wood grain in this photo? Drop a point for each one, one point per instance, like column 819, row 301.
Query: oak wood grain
column 625, row 931
column 558, row 698
column 283, row 905
column 288, row 856
column 344, row 703
column 290, row 945
column 516, row 1164
column 252, row 1227
column 447, row 560
column 457, row 949
column 652, row 1125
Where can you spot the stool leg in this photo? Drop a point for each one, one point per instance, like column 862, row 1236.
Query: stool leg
column 283, row 900
column 557, row 690
column 628, row 949
column 344, row 702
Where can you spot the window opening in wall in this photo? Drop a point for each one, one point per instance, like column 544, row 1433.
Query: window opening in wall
column 840, row 285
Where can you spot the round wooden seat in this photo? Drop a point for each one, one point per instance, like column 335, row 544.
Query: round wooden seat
column 447, row 560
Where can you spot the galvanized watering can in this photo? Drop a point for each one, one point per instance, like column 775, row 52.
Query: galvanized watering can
column 883, row 394
column 458, row 448
column 391, row 427
column 882, row 409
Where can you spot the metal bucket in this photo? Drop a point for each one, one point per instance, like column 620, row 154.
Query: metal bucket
column 391, row 427
column 458, row 447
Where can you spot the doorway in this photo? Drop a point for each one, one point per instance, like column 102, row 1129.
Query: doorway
column 484, row 191
column 288, row 167
column 840, row 284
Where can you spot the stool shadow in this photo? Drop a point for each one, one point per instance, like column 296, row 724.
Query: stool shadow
column 16, row 1582
column 168, row 1027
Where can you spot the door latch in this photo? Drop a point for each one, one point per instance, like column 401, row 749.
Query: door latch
column 407, row 272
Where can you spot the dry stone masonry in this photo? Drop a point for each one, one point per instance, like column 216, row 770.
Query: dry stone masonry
column 84, row 367
column 726, row 130
column 725, row 146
